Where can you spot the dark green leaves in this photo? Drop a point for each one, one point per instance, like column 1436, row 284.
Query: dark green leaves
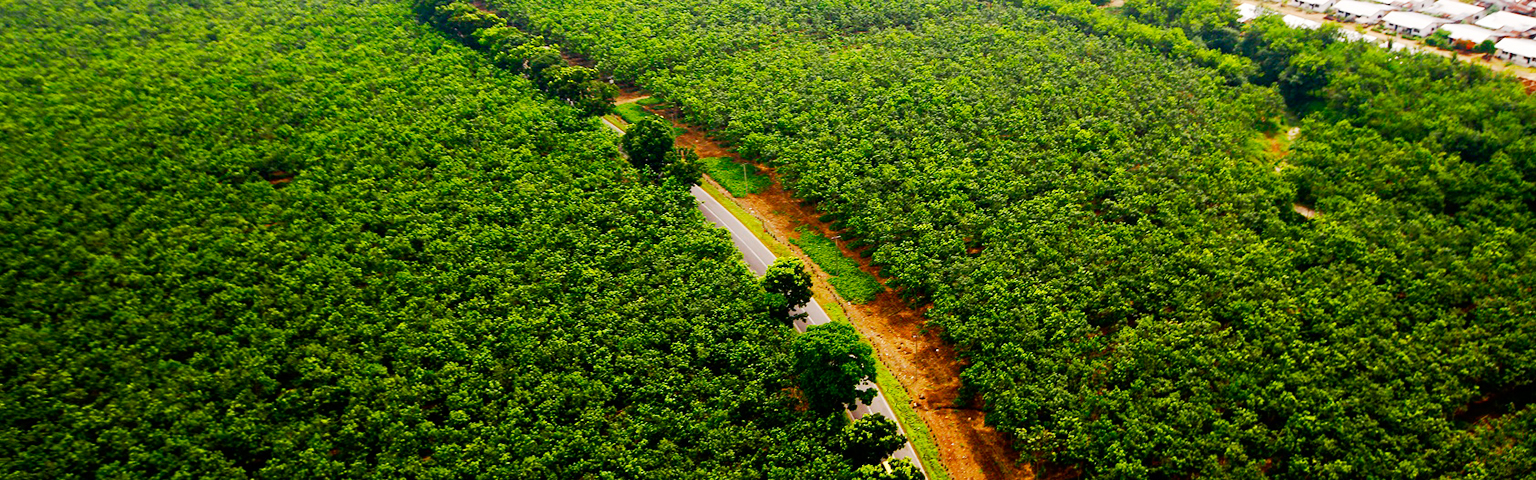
column 789, row 283
column 830, row 361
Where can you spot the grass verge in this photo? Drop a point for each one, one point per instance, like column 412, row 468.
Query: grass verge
column 616, row 121
column 649, row 101
column 778, row 249
column 917, row 431
column 901, row 402
column 631, row 112
column 853, row 284
column 741, row 179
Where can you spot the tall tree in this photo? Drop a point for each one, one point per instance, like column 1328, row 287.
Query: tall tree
column 647, row 143
column 684, row 167
column 870, row 439
column 830, row 363
column 789, row 283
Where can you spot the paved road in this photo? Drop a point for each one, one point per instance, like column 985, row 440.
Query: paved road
column 758, row 258
column 613, row 127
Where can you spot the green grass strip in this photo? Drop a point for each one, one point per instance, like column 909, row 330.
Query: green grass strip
column 631, row 113
column 917, row 431
column 850, row 282
column 778, row 249
column 741, row 179
column 619, row 122
column 901, row 402
column 649, row 101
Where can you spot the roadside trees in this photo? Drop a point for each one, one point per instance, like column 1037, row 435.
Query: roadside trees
column 830, row 362
column 683, row 166
column 789, row 285
column 647, row 142
column 899, row 470
column 581, row 87
column 869, row 440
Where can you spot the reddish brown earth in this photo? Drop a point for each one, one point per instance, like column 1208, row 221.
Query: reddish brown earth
column 924, row 364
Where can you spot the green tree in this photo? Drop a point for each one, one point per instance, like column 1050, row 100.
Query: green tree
column 580, row 86
column 830, row 362
column 870, row 439
column 789, row 283
column 647, row 143
column 684, row 167
column 498, row 38
column 463, row 20
column 1486, row 47
column 899, row 469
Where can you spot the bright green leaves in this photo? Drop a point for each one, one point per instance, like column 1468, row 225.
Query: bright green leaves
column 318, row 240
column 579, row 86
column 830, row 362
column 788, row 284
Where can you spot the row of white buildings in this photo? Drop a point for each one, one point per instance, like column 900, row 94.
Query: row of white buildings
column 1485, row 21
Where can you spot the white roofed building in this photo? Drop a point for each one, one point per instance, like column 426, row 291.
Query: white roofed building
column 1523, row 7
column 1412, row 23
column 1313, row 5
column 1455, row 11
column 1470, row 33
column 1518, row 51
column 1301, row 23
column 1248, row 11
column 1406, row 4
column 1360, row 12
column 1509, row 24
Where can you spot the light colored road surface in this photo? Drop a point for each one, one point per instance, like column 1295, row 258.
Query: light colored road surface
column 758, row 258
column 610, row 125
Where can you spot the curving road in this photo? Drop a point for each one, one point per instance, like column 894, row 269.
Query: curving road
column 758, row 258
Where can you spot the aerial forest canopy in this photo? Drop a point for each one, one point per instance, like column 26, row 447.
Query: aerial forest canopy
column 1090, row 204
column 322, row 239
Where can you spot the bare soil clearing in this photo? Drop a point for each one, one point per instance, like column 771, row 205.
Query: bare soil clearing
column 924, row 364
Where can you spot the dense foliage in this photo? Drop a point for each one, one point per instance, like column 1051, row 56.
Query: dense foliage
column 788, row 284
column 517, row 51
column 870, row 439
column 647, row 143
column 831, row 363
column 320, row 240
column 1085, row 201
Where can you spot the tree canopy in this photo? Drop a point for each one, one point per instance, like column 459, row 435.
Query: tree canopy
column 789, row 282
column 1098, row 207
column 648, row 142
column 831, row 362
column 319, row 239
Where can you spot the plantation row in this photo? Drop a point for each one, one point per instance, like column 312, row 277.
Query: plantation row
column 1092, row 203
column 320, row 240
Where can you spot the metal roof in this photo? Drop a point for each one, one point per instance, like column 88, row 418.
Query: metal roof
column 1517, row 46
column 1453, row 9
column 1501, row 20
column 1470, row 33
column 1412, row 20
column 1361, row 9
